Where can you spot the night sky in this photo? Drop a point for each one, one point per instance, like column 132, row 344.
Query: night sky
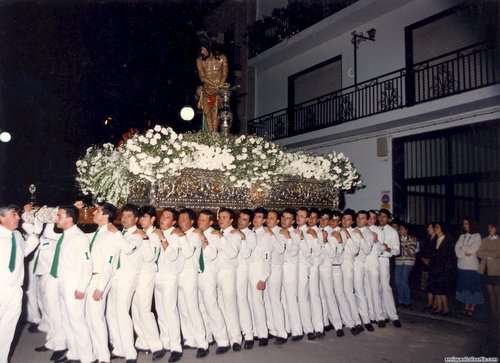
column 67, row 66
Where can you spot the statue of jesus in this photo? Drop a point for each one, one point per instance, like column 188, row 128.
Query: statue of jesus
column 212, row 69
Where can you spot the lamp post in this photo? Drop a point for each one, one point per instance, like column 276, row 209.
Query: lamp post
column 187, row 113
column 5, row 136
column 356, row 39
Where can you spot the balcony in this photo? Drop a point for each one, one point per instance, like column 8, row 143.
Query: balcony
column 288, row 21
column 456, row 72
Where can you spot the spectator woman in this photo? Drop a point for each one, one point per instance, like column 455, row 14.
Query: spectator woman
column 425, row 251
column 404, row 264
column 489, row 253
column 468, row 289
column 441, row 269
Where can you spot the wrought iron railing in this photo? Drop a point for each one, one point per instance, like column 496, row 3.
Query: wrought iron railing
column 452, row 73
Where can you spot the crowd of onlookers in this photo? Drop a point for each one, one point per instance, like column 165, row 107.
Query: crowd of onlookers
column 446, row 266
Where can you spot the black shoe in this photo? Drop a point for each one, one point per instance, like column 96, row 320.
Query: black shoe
column 131, row 361
column 263, row 342
column 58, row 354
column 73, row 361
column 159, row 354
column 381, row 324
column 369, row 327
column 311, row 336
column 175, row 356
column 139, row 350
column 328, row 327
column 319, row 335
column 248, row 344
column 360, row 328
column 236, row 347
column 396, row 323
column 212, row 342
column 340, row 333
column 296, row 338
column 62, row 360
column 43, row 348
column 373, row 321
column 354, row 330
column 271, row 336
column 33, row 328
column 280, row 341
column 114, row 356
column 386, row 320
column 200, row 353
column 186, row 346
column 222, row 350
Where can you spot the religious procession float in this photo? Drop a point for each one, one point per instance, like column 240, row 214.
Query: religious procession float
column 210, row 170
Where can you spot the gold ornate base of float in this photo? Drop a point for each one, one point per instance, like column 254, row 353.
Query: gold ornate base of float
column 203, row 189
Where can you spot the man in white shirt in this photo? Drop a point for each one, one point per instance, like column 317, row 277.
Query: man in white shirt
column 242, row 288
column 148, row 336
column 104, row 248
column 124, row 283
column 72, row 265
column 391, row 248
column 351, row 250
column 332, row 254
column 192, row 325
column 51, row 311
column 13, row 249
column 259, row 272
column 290, row 276
column 273, row 291
column 212, row 246
column 170, row 265
column 308, row 249
column 226, row 283
column 147, row 221
column 371, row 274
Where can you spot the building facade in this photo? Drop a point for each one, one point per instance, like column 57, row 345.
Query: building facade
column 407, row 89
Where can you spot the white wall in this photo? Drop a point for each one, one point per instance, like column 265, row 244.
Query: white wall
column 384, row 55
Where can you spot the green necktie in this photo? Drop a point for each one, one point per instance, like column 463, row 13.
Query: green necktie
column 36, row 260
column 118, row 265
column 55, row 261
column 12, row 262
column 202, row 262
column 93, row 239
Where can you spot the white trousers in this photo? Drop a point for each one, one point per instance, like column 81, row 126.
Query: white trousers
column 303, row 298
column 94, row 314
column 226, row 289
column 121, row 328
column 273, row 291
column 10, row 309
column 348, row 280
column 359, row 291
column 343, row 304
column 290, row 298
column 207, row 284
column 166, row 293
column 242, row 297
column 49, row 288
column 315, row 299
column 189, row 310
column 33, row 298
column 326, row 279
column 372, row 289
column 388, row 304
column 259, row 311
column 74, row 324
column 144, row 320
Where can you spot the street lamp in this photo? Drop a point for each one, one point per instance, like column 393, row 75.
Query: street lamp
column 187, row 113
column 5, row 136
column 356, row 39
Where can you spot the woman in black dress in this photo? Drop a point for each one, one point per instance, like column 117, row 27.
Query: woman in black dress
column 441, row 269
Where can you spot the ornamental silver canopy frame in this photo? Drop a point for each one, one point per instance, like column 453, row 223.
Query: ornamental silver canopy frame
column 205, row 189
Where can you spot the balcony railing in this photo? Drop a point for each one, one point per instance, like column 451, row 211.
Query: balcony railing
column 452, row 73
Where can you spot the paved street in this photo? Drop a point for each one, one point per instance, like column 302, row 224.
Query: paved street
column 421, row 339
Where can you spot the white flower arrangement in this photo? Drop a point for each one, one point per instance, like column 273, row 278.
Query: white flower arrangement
column 106, row 172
